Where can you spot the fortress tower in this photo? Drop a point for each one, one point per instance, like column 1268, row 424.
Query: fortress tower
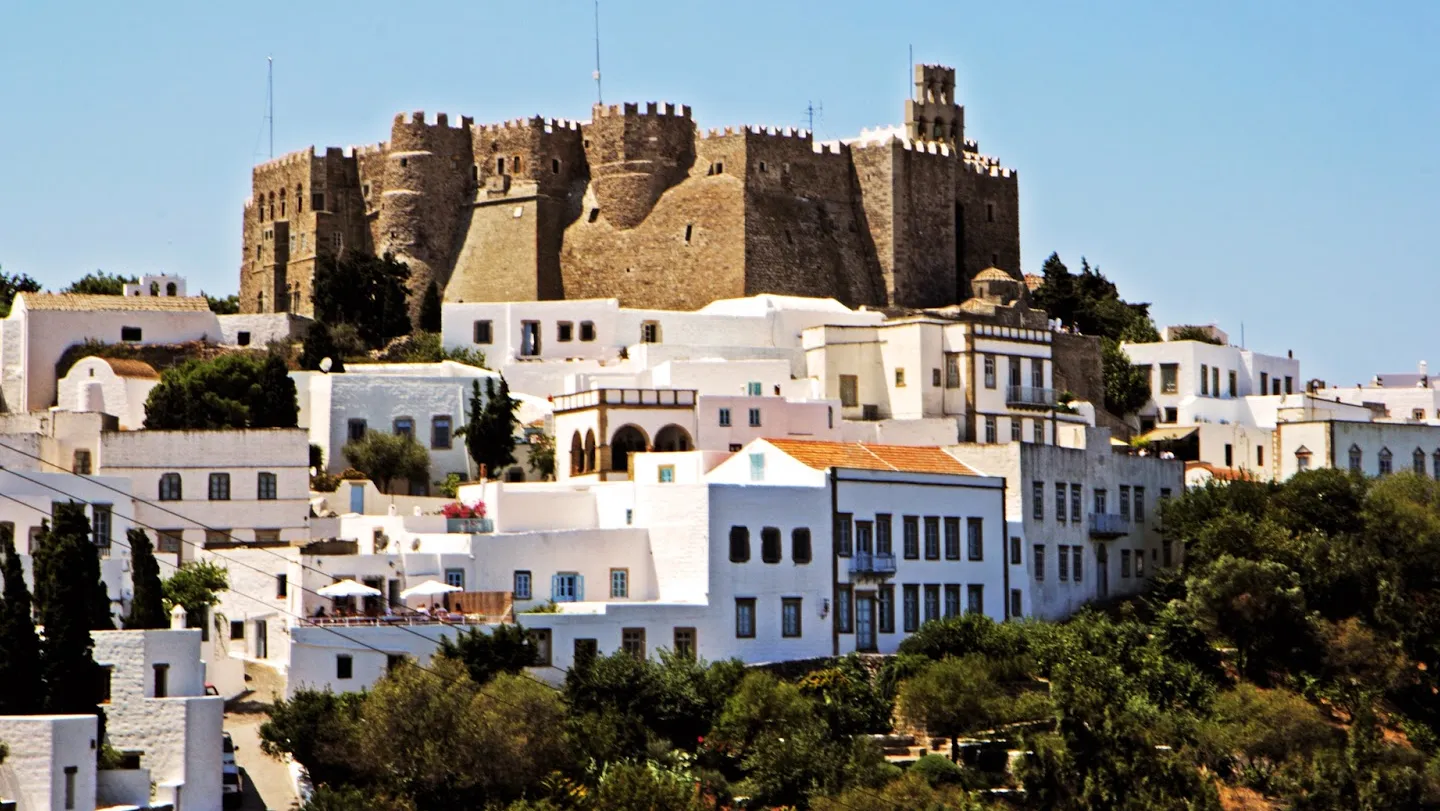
column 640, row 205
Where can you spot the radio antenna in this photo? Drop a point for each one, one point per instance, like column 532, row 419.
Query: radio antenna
column 270, row 101
column 599, row 93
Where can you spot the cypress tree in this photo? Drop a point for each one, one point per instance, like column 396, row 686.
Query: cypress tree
column 20, row 668
column 490, row 430
column 72, row 683
column 273, row 402
column 147, row 607
column 430, row 309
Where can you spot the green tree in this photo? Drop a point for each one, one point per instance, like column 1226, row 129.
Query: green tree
column 10, row 285
column 228, row 305
column 383, row 458
column 147, row 606
column 1127, row 386
column 489, row 431
column 100, row 283
column 430, row 309
column 238, row 390
column 912, row 791
column 542, row 456
column 68, row 613
column 1091, row 304
column 1259, row 606
column 365, row 291
column 969, row 694
column 1191, row 333
column 1257, row 731
column 318, row 729
column 506, row 649
column 20, row 663
column 319, row 344
column 195, row 586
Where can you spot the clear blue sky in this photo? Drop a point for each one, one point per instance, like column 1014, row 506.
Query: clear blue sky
column 1268, row 163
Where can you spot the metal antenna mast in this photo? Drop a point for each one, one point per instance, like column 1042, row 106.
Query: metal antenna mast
column 814, row 112
column 599, row 94
column 270, row 101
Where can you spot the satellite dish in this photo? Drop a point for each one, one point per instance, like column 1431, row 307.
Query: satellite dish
column 325, row 364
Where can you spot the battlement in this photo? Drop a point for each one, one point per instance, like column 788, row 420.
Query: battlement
column 288, row 159
column 762, row 132
column 632, row 109
column 532, row 123
column 442, row 121
column 368, row 149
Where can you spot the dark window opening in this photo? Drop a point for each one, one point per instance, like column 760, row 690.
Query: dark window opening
column 243, row 338
column 689, row 231
column 594, row 215
column 800, row 545
column 739, row 544
column 130, row 333
column 770, row 545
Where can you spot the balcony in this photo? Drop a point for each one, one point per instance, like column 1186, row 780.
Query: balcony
column 1106, row 526
column 870, row 563
column 472, row 526
column 1030, row 397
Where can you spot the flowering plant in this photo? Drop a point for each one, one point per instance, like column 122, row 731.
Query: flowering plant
column 457, row 510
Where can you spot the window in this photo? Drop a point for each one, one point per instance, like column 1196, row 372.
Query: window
column 440, row 436
column 1037, row 501
column 650, row 332
column 170, row 489
column 666, row 474
column 70, row 772
column 884, row 544
column 849, row 391
column 106, row 673
column 932, row 537
column 911, row 609
column 564, row 331
column 754, row 418
column 1229, row 455
column 1016, row 603
column 790, row 616
column 267, row 536
column 100, row 523
column 541, row 638
column 282, row 586
column 266, row 487
column 1169, row 378
column 770, row 545
column 1289, row 385
column 215, row 537
column 989, row 371
column 1062, row 563
column 1038, row 555
column 952, row 371
column 1386, row 462
column 161, row 681
column 1204, row 379
column 975, row 530
column 1014, row 551
column 81, row 463
column 219, row 486
column 1139, row 503
column 844, row 617
column 529, row 338
column 567, row 587
column 1215, row 381
column 844, row 534
column 739, row 544
column 1124, row 562
column 587, row 330
column 975, row 602
column 168, row 540
column 483, row 332
column 885, row 607
column 586, row 650
column 865, row 536
column 1077, row 572
column 932, row 602
column 1172, row 415
column 355, row 430
column 455, row 577
column 753, row 388
column 1435, row 464
column 757, row 467
column 900, row 378
column 910, row 527
column 1075, row 503
column 952, row 538
column 724, row 418
column 344, row 666
column 1099, row 495
column 952, row 600
column 1060, row 502
column 1014, row 429
column 521, row 587
column 685, row 643
column 1037, row 373
column 745, row 617
column 990, row 430
column 632, row 641
column 1260, row 458
column 1264, row 383
column 1233, row 382
column 1139, row 562
column 237, row 629
column 735, row 447
column 1037, row 432
column 1125, row 501
column 130, row 333
column 1167, row 553
column 1014, row 371
column 800, row 545
column 1355, row 458
column 619, row 584
column 515, row 164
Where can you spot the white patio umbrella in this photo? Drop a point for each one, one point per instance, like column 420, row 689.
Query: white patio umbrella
column 429, row 588
column 348, row 588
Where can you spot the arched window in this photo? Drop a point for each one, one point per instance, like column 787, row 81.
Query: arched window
column 170, row 489
column 1387, row 461
column 673, row 438
column 170, row 289
column 260, row 302
column 272, row 205
column 282, row 202
column 626, row 441
column 577, row 455
column 1419, row 462
column 1356, row 459
column 590, row 452
column 299, row 198
column 515, row 165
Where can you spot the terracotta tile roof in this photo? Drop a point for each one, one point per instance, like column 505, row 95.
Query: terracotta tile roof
column 81, row 302
column 1033, row 281
column 1222, row 473
column 863, row 456
column 125, row 367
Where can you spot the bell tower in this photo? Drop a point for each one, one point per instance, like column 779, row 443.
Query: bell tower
column 932, row 114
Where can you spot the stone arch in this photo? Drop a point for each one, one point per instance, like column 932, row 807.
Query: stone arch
column 627, row 439
column 577, row 455
column 282, row 202
column 589, row 451
column 299, row 199
column 171, row 289
column 673, row 438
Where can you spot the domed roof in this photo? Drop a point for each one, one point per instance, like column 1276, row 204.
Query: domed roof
column 993, row 275
column 977, row 305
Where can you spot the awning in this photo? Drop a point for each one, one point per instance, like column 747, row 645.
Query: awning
column 1171, row 434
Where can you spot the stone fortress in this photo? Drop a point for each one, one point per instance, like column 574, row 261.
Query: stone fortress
column 639, row 204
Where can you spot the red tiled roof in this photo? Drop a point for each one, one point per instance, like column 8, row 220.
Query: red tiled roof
column 863, row 456
column 1222, row 473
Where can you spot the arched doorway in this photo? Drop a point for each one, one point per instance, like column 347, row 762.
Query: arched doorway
column 626, row 441
column 673, row 438
column 589, row 452
column 577, row 455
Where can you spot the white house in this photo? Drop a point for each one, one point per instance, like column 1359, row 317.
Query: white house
column 1195, row 381
column 1083, row 523
column 51, row 764
column 1369, row 448
column 113, row 386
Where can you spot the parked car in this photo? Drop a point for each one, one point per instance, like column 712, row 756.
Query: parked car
column 232, row 786
column 227, row 756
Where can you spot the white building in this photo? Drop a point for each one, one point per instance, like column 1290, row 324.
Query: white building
column 1195, row 381
column 115, row 386
column 51, row 764
column 1369, row 448
column 1083, row 523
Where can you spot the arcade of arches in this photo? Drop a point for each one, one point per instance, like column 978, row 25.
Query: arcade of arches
column 586, row 457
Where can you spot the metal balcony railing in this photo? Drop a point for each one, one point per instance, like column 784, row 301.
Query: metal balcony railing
column 1108, row 525
column 470, row 525
column 872, row 563
column 1030, row 396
